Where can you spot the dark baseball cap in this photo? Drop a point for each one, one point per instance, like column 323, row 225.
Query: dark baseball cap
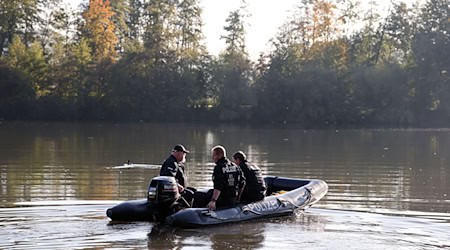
column 181, row 148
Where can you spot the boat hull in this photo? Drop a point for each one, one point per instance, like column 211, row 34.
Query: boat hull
column 299, row 197
column 292, row 194
column 135, row 210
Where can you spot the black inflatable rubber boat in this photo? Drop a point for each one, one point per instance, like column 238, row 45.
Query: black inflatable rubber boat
column 289, row 195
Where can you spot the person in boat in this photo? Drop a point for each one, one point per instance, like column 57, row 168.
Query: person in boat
column 228, row 180
column 255, row 187
column 174, row 166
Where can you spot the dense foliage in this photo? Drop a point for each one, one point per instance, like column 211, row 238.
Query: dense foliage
column 333, row 63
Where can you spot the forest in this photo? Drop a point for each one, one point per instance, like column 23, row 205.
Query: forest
column 331, row 64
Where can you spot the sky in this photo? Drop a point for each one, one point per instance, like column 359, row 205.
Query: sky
column 266, row 18
column 260, row 28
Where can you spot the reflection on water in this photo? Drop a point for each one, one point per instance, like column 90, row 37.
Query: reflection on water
column 392, row 172
column 247, row 235
column 85, row 226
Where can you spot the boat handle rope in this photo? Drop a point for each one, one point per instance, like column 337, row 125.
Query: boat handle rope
column 307, row 199
column 308, row 191
column 208, row 213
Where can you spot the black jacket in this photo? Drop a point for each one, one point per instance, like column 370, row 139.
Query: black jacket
column 171, row 167
column 228, row 178
column 255, row 188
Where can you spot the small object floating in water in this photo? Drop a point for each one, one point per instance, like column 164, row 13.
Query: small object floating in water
column 137, row 165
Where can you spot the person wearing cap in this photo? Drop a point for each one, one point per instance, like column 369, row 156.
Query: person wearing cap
column 174, row 166
column 227, row 178
column 255, row 188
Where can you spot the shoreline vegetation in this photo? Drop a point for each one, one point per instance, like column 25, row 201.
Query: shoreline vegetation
column 145, row 61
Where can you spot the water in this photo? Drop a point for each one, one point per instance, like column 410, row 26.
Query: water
column 388, row 189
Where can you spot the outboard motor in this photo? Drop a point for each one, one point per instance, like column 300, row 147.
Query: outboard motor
column 162, row 197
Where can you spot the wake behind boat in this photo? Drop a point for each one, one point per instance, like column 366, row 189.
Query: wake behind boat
column 289, row 195
column 137, row 165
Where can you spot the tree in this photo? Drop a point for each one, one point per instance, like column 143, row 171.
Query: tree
column 323, row 26
column 134, row 19
column 17, row 17
column 189, row 33
column 30, row 62
column 16, row 94
column 159, row 29
column 121, row 9
column 382, row 95
column 364, row 42
column 231, row 77
column 235, row 33
column 73, row 83
column 46, row 31
column 400, row 30
column 431, row 48
column 99, row 29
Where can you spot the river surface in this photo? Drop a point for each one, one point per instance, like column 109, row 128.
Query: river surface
column 388, row 188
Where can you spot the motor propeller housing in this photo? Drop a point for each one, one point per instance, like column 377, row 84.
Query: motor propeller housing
column 162, row 197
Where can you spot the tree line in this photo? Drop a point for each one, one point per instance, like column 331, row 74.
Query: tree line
column 332, row 63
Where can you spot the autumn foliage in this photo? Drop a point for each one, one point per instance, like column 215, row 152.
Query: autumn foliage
column 100, row 29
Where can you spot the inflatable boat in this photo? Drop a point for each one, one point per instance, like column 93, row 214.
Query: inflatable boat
column 288, row 195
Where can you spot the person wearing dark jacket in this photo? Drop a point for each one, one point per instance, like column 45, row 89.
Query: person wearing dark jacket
column 174, row 166
column 228, row 180
column 255, row 188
